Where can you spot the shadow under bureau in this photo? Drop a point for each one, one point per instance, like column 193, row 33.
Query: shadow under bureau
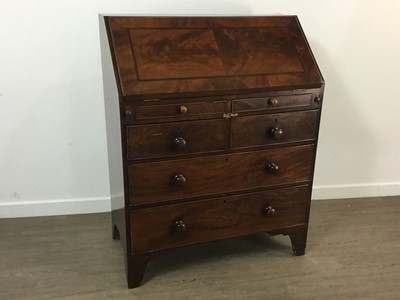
column 212, row 126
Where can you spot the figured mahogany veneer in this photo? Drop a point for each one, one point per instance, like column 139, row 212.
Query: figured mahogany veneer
column 209, row 175
column 182, row 112
column 177, row 139
column 273, row 129
column 217, row 218
column 272, row 102
column 169, row 55
column 212, row 128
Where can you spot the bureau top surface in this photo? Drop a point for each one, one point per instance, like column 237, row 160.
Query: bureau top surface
column 161, row 56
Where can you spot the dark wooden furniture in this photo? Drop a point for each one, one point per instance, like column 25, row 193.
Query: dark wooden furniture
column 212, row 126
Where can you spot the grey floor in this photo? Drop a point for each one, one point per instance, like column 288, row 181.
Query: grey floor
column 353, row 252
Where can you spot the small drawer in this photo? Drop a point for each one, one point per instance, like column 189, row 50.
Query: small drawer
column 182, row 110
column 173, row 139
column 164, row 181
column 187, row 223
column 272, row 102
column 273, row 129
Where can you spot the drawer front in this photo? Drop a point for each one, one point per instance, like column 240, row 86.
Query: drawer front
column 181, row 224
column 272, row 129
column 171, row 139
column 268, row 103
column 182, row 111
column 187, row 178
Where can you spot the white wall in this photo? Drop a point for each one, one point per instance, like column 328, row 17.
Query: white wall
column 52, row 132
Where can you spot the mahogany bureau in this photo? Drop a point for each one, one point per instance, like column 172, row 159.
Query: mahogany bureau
column 212, row 126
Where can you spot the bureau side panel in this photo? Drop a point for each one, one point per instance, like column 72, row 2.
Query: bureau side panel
column 113, row 128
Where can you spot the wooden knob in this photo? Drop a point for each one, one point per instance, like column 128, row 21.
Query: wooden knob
column 273, row 101
column 183, row 109
column 180, row 226
column 179, row 180
column 128, row 113
column 276, row 132
column 272, row 168
column 269, row 211
column 179, row 143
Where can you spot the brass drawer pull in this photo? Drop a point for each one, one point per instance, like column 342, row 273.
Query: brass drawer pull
column 273, row 101
column 183, row 109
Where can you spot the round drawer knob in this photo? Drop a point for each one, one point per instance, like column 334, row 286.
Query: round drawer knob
column 272, row 168
column 277, row 132
column 180, row 226
column 179, row 180
column 183, row 109
column 269, row 211
column 179, row 143
column 273, row 101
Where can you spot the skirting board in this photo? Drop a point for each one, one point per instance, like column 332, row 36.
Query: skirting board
column 54, row 207
column 356, row 191
column 97, row 205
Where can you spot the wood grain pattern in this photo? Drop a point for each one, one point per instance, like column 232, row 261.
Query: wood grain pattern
column 210, row 55
column 176, row 53
column 157, row 140
column 153, row 182
column 250, row 51
column 165, row 22
column 351, row 242
column 153, row 228
column 263, row 103
column 256, row 131
column 206, row 153
column 194, row 110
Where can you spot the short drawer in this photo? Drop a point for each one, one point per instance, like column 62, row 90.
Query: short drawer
column 182, row 110
column 187, row 223
column 272, row 102
column 202, row 176
column 272, row 129
column 171, row 139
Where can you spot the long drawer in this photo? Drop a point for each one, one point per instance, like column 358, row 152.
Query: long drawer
column 201, row 176
column 186, row 223
column 273, row 129
column 173, row 139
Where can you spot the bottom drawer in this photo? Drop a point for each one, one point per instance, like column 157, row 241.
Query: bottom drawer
column 187, row 223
